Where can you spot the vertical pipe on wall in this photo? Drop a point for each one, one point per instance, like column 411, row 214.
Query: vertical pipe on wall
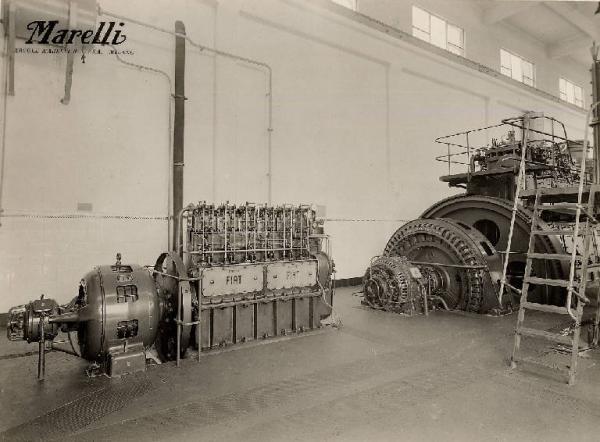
column 179, row 124
column 5, row 93
column 596, row 121
column 11, row 48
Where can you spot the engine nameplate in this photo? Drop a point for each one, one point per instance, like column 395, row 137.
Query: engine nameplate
column 286, row 275
column 232, row 280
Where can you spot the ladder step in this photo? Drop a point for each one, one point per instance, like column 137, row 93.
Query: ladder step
column 560, row 191
column 571, row 207
column 552, row 282
column 568, row 232
column 543, row 334
column 558, row 194
column 555, row 256
column 545, row 308
column 560, row 206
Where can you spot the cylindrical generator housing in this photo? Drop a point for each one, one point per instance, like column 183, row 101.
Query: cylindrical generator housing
column 119, row 303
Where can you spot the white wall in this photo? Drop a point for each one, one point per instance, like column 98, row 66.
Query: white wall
column 355, row 115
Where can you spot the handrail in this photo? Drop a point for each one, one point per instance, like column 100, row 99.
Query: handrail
column 510, row 121
column 438, row 139
column 467, row 150
column 578, row 213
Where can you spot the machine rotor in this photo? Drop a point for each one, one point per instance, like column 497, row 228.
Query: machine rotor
column 465, row 262
column 388, row 285
column 491, row 216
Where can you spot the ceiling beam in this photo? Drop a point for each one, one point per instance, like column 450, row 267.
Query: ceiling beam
column 504, row 10
column 567, row 47
column 576, row 18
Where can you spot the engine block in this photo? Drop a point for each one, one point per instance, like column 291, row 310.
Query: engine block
column 259, row 271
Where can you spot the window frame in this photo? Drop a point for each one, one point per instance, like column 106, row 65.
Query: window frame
column 566, row 95
column 352, row 8
column 522, row 61
column 447, row 24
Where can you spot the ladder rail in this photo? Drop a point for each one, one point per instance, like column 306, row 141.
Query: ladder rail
column 525, row 287
column 578, row 213
column 573, row 260
column 520, row 181
column 582, row 287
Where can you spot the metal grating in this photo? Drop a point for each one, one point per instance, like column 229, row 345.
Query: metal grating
column 79, row 413
column 324, row 385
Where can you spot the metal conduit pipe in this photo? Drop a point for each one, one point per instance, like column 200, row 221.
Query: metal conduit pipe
column 178, row 245
column 226, row 55
column 595, row 123
column 5, row 93
column 170, row 216
column 179, row 122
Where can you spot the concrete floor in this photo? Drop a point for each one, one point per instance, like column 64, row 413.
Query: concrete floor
column 379, row 377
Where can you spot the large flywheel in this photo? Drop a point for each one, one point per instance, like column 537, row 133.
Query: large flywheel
column 491, row 216
column 175, row 295
column 470, row 265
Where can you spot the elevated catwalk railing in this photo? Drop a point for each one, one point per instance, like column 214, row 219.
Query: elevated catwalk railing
column 464, row 148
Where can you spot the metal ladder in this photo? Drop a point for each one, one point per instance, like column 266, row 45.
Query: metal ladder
column 578, row 270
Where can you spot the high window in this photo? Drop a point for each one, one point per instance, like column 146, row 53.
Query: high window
column 438, row 31
column 570, row 92
column 351, row 4
column 516, row 67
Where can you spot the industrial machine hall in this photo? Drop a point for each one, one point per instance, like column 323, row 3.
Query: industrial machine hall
column 273, row 220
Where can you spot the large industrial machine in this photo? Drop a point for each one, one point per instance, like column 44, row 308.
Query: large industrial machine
column 241, row 273
column 458, row 246
column 525, row 234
